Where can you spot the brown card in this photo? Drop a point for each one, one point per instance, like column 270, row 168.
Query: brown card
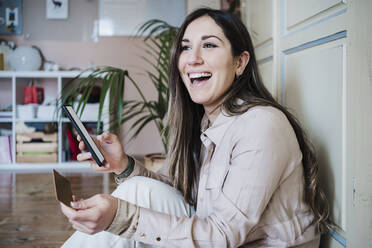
column 62, row 187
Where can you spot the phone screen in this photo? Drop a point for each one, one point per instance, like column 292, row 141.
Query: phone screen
column 92, row 147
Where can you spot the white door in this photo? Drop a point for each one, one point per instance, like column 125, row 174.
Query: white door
column 315, row 57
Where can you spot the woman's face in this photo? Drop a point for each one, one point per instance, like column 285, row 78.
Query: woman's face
column 206, row 63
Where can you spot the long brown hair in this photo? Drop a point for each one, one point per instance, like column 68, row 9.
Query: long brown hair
column 185, row 115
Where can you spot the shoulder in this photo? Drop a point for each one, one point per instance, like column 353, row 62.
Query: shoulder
column 263, row 117
column 263, row 126
column 264, row 114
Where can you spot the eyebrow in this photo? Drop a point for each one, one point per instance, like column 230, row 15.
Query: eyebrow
column 204, row 37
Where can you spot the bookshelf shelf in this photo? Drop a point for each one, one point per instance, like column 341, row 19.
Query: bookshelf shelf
column 12, row 85
column 35, row 120
column 5, row 120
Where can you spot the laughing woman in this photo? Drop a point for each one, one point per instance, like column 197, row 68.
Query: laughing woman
column 237, row 157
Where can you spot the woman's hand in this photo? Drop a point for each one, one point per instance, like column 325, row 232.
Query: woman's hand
column 112, row 150
column 92, row 215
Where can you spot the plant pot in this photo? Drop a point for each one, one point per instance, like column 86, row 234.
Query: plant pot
column 154, row 161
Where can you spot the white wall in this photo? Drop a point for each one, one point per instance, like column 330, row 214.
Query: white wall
column 194, row 4
column 315, row 57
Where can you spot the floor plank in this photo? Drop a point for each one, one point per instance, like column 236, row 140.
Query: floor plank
column 30, row 216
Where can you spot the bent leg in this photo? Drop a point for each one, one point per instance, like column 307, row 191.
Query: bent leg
column 144, row 192
column 149, row 193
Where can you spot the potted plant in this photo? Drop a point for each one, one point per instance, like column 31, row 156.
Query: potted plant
column 158, row 43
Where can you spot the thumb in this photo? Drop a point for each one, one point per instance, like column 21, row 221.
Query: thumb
column 78, row 204
column 83, row 204
column 107, row 138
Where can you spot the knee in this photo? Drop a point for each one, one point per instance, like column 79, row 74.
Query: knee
column 149, row 193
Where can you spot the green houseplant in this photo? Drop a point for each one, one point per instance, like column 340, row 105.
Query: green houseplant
column 158, row 42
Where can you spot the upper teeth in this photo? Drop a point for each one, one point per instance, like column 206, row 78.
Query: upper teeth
column 198, row 75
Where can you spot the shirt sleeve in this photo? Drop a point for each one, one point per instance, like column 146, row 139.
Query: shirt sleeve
column 126, row 219
column 140, row 170
column 260, row 161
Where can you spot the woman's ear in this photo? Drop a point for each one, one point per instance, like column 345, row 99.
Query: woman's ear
column 241, row 63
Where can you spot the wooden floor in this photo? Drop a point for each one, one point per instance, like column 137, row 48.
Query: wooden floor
column 29, row 214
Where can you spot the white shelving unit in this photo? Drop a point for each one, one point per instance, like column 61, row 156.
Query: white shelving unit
column 11, row 93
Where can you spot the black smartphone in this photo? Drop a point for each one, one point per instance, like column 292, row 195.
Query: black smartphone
column 88, row 141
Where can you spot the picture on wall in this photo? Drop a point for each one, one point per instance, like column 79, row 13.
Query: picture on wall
column 233, row 6
column 124, row 17
column 57, row 9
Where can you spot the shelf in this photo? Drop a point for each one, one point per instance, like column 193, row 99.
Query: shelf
column 35, row 120
column 45, row 167
column 5, row 120
column 12, row 85
column 4, row 114
column 40, row 74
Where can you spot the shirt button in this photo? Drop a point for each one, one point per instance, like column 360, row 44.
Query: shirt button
column 142, row 235
column 158, row 239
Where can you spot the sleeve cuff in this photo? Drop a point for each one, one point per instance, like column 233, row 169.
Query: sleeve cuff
column 125, row 221
column 136, row 172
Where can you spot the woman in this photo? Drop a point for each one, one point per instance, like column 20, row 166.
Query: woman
column 237, row 156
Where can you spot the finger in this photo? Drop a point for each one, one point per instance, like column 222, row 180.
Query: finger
column 67, row 211
column 85, row 215
column 84, row 203
column 94, row 200
column 78, row 138
column 82, row 146
column 84, row 156
column 96, row 167
column 81, row 220
column 78, row 204
column 81, row 215
column 81, row 227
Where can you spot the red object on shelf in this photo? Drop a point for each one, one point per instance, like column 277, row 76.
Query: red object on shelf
column 33, row 94
column 74, row 146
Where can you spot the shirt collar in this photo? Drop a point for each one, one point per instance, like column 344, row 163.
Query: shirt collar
column 219, row 127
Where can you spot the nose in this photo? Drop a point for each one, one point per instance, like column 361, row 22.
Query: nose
column 195, row 57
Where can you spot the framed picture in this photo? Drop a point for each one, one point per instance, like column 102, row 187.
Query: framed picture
column 57, row 9
column 124, row 17
column 233, row 6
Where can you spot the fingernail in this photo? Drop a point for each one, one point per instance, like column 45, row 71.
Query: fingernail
column 75, row 204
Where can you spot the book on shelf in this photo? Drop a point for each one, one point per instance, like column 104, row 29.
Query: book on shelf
column 5, row 149
column 74, row 145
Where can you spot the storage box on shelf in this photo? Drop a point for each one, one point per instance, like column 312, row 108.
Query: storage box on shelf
column 40, row 157
column 36, row 147
column 6, row 110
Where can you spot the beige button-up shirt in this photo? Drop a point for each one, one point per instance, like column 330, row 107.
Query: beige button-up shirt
column 250, row 192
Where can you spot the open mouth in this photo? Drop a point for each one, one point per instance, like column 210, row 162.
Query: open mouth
column 196, row 78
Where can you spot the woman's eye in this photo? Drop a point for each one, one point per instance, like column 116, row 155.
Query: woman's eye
column 209, row 45
column 184, row 48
